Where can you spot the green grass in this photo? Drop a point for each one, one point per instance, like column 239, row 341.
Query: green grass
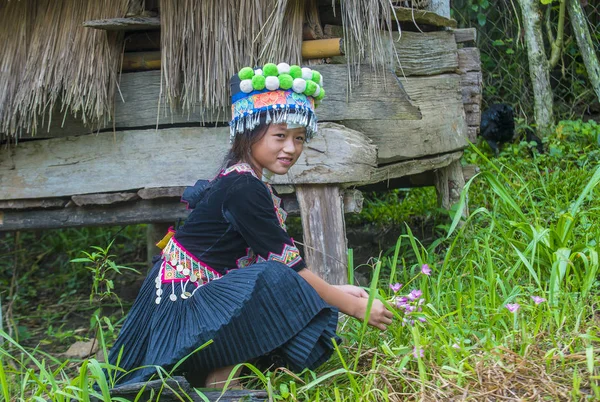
column 533, row 230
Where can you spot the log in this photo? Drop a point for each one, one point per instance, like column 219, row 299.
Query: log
column 442, row 128
column 323, row 226
column 31, row 204
column 469, row 59
column 92, row 164
column 463, row 35
column 424, row 17
column 473, row 114
column 429, row 53
column 178, row 389
column 449, row 182
column 157, row 211
column 161, row 192
column 102, row 199
column 409, row 168
column 124, row 24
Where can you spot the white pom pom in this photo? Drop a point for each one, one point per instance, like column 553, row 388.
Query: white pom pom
column 299, row 85
column 317, row 92
column 258, row 71
column 321, row 81
column 306, row 73
column 283, row 68
column 272, row 83
column 246, row 86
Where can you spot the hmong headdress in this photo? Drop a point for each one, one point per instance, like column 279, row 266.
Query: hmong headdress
column 281, row 93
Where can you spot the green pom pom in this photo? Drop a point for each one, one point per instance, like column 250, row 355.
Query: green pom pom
column 311, row 87
column 270, row 69
column 258, row 82
column 285, row 81
column 296, row 71
column 246, row 73
column 316, row 76
column 321, row 95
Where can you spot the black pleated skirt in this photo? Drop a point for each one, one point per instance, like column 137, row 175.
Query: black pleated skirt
column 261, row 313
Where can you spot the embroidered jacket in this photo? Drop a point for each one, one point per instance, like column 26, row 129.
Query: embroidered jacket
column 237, row 221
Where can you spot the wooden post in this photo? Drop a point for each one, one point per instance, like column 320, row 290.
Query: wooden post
column 325, row 244
column 154, row 232
column 449, row 182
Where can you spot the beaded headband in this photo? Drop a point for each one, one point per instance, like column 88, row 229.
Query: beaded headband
column 282, row 93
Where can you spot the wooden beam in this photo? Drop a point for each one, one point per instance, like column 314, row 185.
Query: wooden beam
column 442, row 128
column 463, row 35
column 325, row 243
column 424, row 17
column 103, row 199
column 124, row 24
column 130, row 160
column 141, row 61
column 409, row 168
column 163, row 210
column 469, row 59
column 138, row 104
column 429, row 53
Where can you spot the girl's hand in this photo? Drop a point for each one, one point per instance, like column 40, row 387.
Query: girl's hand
column 353, row 290
column 380, row 316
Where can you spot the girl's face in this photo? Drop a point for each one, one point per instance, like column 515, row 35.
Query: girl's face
column 278, row 149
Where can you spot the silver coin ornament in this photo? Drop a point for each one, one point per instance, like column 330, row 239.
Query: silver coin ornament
column 159, row 292
column 186, row 271
column 173, row 297
column 157, row 301
column 180, row 268
column 193, row 277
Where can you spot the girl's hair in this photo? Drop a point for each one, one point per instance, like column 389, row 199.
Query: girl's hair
column 242, row 144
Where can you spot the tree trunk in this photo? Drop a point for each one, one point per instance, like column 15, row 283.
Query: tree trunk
column 584, row 41
column 538, row 65
column 440, row 7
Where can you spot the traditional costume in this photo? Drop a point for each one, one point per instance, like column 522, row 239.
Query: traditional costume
column 229, row 274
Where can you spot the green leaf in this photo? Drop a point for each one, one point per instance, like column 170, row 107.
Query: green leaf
column 481, row 19
column 510, row 51
column 498, row 42
column 546, row 2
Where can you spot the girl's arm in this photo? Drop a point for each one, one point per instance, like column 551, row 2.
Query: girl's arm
column 354, row 306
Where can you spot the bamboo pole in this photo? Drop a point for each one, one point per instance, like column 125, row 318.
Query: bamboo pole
column 311, row 49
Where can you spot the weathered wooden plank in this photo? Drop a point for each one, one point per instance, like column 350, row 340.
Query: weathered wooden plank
column 35, row 203
column 161, row 192
column 163, row 210
column 138, row 103
column 419, row 53
column 324, row 231
column 463, row 35
column 178, row 389
column 127, row 213
column 103, row 199
column 472, row 133
column 409, row 168
column 124, row 24
column 469, row 59
column 442, row 128
column 473, row 114
column 130, row 160
column 423, row 17
column 428, row 53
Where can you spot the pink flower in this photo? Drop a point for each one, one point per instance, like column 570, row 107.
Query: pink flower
column 513, row 307
column 419, row 353
column 422, row 319
column 425, row 270
column 395, row 287
column 415, row 294
column 538, row 299
column 455, row 346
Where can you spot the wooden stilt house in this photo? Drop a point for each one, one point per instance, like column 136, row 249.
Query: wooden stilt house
column 109, row 108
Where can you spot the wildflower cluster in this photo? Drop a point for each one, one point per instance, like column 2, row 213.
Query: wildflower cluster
column 410, row 304
column 514, row 307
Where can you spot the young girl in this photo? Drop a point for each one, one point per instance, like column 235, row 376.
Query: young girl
column 231, row 273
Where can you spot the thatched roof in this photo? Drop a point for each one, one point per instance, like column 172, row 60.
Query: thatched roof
column 50, row 62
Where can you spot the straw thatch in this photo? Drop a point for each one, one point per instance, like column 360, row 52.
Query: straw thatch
column 205, row 43
column 51, row 62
